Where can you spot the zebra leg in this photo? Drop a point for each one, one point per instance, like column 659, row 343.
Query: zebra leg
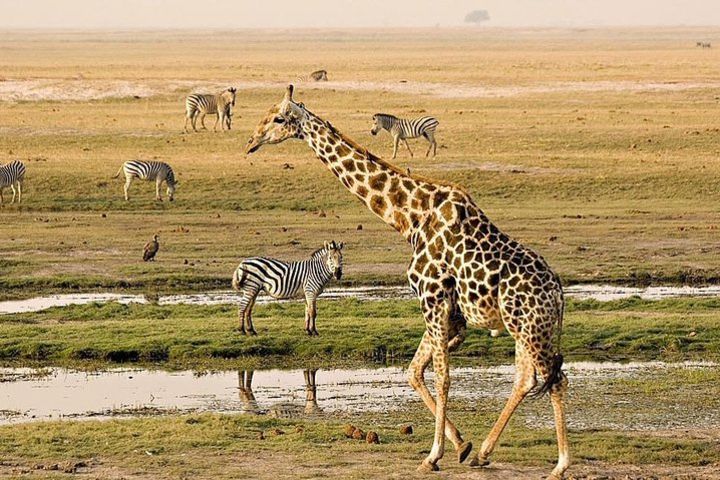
column 396, row 140
column 246, row 303
column 158, row 183
column 408, row 146
column 202, row 120
column 19, row 183
column 1, row 197
column 248, row 317
column 187, row 117
column 313, row 316
column 12, row 186
column 193, row 121
column 217, row 119
column 128, row 182
column 308, row 304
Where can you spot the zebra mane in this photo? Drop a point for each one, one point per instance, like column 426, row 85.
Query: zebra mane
column 386, row 115
column 318, row 253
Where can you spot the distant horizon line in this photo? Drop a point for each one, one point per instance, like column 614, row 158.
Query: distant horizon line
column 378, row 27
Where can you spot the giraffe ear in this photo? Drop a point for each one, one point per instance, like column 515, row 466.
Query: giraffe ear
column 289, row 93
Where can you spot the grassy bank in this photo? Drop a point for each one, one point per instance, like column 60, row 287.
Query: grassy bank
column 221, row 446
column 350, row 330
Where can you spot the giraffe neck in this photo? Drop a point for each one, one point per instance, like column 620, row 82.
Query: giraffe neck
column 385, row 190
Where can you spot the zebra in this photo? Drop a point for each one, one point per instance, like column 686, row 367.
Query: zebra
column 149, row 171
column 201, row 104
column 285, row 280
column 316, row 76
column 12, row 175
column 402, row 129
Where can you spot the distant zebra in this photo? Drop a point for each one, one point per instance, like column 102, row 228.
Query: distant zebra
column 12, row 175
column 149, row 171
column 703, row 44
column 201, row 104
column 402, row 129
column 285, row 280
column 316, row 76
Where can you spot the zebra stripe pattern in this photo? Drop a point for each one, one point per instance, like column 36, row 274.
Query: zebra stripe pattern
column 148, row 170
column 316, row 76
column 201, row 104
column 285, row 280
column 402, row 129
column 12, row 175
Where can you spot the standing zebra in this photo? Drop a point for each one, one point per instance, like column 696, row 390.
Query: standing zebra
column 402, row 129
column 149, row 171
column 200, row 104
column 285, row 280
column 11, row 175
column 316, row 76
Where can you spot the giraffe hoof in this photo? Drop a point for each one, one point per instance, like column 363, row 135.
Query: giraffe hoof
column 478, row 461
column 464, row 451
column 427, row 467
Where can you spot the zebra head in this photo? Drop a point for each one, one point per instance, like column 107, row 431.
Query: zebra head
column 380, row 121
column 281, row 122
column 333, row 258
column 232, row 91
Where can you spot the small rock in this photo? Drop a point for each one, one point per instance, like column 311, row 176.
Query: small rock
column 322, row 214
column 692, row 334
column 348, row 430
column 358, row 434
column 552, row 239
column 185, row 262
column 104, row 215
column 359, row 227
column 406, row 430
column 372, row 437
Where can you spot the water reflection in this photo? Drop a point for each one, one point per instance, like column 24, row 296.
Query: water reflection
column 283, row 409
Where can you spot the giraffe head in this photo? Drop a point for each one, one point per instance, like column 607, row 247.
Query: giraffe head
column 281, row 122
column 334, row 258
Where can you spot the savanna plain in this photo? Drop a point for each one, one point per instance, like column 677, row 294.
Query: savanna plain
column 598, row 148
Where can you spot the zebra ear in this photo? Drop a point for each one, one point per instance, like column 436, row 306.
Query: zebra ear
column 326, row 245
column 289, row 93
column 342, row 244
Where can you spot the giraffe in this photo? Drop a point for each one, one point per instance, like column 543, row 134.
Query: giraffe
column 464, row 270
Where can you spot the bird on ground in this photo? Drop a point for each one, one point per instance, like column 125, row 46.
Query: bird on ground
column 151, row 249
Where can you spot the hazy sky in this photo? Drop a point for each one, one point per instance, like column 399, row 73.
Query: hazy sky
column 349, row 13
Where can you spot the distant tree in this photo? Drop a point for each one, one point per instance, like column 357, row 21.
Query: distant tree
column 477, row 17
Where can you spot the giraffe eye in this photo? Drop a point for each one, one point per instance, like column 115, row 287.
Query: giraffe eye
column 279, row 120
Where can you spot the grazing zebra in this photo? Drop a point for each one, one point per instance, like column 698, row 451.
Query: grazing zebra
column 316, row 76
column 200, row 104
column 285, row 280
column 149, row 171
column 402, row 129
column 11, row 175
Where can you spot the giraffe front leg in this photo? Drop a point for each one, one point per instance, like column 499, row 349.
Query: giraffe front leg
column 416, row 377
column 437, row 319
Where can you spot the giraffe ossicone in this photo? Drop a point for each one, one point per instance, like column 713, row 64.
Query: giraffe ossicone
column 464, row 270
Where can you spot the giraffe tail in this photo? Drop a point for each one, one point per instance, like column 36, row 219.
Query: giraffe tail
column 555, row 375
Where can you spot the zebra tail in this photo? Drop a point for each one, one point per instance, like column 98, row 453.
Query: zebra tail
column 118, row 173
column 238, row 278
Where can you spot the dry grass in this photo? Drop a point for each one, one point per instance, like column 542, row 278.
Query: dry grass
column 610, row 185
